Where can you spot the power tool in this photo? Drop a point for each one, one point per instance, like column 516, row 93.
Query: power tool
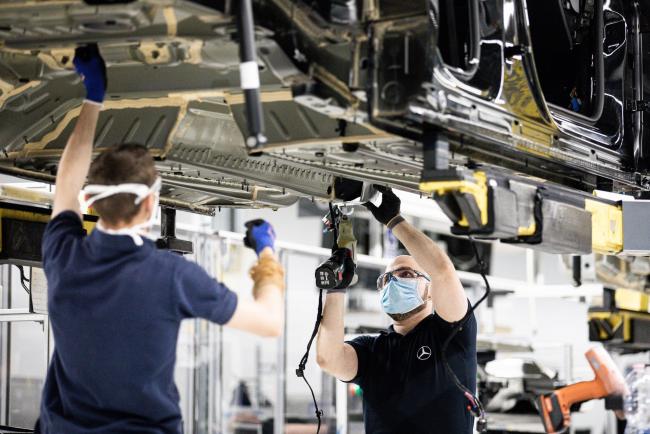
column 555, row 408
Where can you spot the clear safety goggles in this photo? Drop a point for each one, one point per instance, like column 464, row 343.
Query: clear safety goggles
column 402, row 273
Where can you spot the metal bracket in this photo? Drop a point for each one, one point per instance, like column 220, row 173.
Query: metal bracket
column 637, row 106
column 515, row 50
column 168, row 240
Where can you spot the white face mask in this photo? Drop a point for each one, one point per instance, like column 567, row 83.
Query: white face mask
column 141, row 191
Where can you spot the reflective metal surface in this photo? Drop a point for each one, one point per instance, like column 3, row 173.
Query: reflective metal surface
column 346, row 99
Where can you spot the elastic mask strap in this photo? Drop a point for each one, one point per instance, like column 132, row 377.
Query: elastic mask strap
column 141, row 191
column 132, row 232
column 155, row 189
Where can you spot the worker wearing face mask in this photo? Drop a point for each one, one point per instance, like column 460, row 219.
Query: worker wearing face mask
column 405, row 386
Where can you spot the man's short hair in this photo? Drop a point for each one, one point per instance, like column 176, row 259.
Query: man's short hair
column 126, row 163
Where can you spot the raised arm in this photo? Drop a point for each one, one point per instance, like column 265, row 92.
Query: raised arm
column 447, row 293
column 77, row 155
column 264, row 315
column 333, row 355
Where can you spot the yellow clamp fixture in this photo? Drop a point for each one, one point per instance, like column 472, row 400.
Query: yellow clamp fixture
column 606, row 227
column 473, row 188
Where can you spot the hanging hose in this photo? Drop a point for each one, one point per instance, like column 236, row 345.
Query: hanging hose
column 300, row 372
column 24, row 279
column 475, row 407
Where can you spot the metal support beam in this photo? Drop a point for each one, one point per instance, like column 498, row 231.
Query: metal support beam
column 4, row 347
column 281, row 361
column 250, row 75
column 435, row 153
column 21, row 315
column 168, row 240
column 7, row 283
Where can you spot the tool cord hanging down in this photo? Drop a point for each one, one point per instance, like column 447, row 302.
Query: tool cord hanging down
column 300, row 372
column 475, row 407
column 24, row 279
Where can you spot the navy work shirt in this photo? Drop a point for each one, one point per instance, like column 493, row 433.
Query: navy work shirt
column 115, row 310
column 404, row 383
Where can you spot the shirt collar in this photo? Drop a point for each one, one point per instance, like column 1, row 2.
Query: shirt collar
column 391, row 330
column 123, row 243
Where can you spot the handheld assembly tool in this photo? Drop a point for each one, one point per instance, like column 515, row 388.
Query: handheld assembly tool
column 555, row 408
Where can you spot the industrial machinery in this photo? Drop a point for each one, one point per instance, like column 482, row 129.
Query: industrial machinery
column 622, row 322
column 343, row 90
column 460, row 101
column 526, row 136
column 566, row 107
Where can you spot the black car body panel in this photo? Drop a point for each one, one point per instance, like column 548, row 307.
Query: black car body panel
column 349, row 89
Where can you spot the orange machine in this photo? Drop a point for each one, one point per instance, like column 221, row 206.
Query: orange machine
column 555, row 408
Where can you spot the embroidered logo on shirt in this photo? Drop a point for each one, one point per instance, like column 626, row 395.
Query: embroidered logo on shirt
column 424, row 353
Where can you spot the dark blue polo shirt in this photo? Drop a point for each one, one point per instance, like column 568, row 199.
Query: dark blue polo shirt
column 404, row 383
column 115, row 310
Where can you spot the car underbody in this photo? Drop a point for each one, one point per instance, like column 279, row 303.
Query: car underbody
column 349, row 90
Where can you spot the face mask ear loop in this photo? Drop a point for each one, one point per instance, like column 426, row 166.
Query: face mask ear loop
column 88, row 203
column 133, row 231
column 155, row 189
column 100, row 192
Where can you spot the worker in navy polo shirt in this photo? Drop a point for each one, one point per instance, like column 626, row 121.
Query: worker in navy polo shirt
column 115, row 301
column 405, row 386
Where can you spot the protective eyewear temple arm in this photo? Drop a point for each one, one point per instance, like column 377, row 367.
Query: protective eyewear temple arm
column 386, row 277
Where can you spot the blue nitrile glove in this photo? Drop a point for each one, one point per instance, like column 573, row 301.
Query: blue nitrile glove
column 89, row 64
column 259, row 234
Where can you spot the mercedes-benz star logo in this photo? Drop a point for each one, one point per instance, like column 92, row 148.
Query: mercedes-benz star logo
column 424, row 353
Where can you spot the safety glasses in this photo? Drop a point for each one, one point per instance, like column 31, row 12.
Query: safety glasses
column 402, row 273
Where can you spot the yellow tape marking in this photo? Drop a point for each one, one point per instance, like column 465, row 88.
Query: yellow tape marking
column 606, row 227
column 170, row 20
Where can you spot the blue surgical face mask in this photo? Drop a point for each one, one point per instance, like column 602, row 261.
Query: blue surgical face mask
column 401, row 296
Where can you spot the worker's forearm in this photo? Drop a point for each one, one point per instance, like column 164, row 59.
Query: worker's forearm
column 271, row 299
column 269, row 288
column 332, row 331
column 425, row 252
column 446, row 291
column 77, row 155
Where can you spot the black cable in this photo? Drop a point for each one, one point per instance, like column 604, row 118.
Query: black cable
column 476, row 407
column 300, row 372
column 24, row 279
column 335, row 226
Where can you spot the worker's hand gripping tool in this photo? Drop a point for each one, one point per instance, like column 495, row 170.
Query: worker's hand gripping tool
column 338, row 271
column 259, row 234
column 555, row 408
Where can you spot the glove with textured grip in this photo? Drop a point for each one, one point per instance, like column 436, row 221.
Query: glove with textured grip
column 349, row 268
column 267, row 272
column 259, row 235
column 389, row 208
column 89, row 64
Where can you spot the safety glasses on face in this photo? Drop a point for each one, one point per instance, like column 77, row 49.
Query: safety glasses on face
column 402, row 273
